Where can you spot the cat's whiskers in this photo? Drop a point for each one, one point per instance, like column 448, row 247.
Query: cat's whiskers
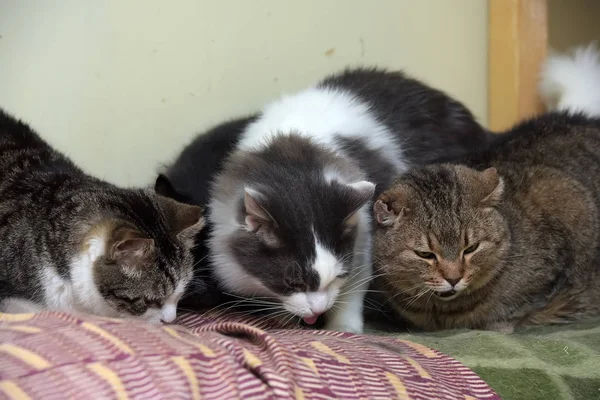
column 416, row 297
column 429, row 298
column 285, row 320
column 217, row 311
column 275, row 317
column 260, row 305
column 361, row 281
column 254, row 299
column 199, row 261
column 240, row 300
column 375, row 305
column 403, row 292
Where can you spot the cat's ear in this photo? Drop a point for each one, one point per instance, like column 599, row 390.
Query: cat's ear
column 189, row 222
column 492, row 187
column 256, row 214
column 164, row 187
column 390, row 207
column 359, row 194
column 355, row 196
column 131, row 252
column 185, row 220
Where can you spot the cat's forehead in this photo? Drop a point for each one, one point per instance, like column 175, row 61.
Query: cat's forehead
column 432, row 191
column 436, row 199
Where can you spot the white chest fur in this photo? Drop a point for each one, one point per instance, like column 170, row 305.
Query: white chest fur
column 77, row 294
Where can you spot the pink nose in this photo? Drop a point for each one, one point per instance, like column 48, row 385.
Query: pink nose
column 453, row 282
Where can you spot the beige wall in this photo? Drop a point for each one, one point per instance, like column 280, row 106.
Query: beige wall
column 121, row 86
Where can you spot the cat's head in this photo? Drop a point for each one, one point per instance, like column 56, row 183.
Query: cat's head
column 141, row 266
column 288, row 227
column 439, row 229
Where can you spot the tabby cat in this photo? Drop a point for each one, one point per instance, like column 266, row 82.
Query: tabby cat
column 74, row 243
column 506, row 237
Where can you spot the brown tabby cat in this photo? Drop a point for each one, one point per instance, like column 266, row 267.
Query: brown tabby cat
column 505, row 238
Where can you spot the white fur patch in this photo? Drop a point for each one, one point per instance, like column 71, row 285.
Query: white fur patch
column 330, row 175
column 311, row 303
column 168, row 313
column 348, row 316
column 326, row 265
column 571, row 82
column 320, row 302
column 323, row 114
column 85, row 294
column 96, row 247
column 14, row 305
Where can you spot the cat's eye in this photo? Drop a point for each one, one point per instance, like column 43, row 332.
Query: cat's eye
column 471, row 248
column 151, row 303
column 294, row 286
column 425, row 254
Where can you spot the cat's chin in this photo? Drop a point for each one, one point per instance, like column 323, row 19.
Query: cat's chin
column 448, row 295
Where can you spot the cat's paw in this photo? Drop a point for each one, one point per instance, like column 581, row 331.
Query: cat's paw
column 351, row 325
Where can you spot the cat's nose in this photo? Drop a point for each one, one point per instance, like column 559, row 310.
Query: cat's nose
column 317, row 302
column 453, row 281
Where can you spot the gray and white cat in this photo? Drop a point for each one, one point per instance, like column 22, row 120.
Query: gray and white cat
column 290, row 208
column 74, row 243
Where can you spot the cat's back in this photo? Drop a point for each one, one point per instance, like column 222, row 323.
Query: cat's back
column 562, row 140
column 332, row 113
column 321, row 113
column 550, row 166
column 426, row 121
column 23, row 151
column 17, row 134
column 402, row 118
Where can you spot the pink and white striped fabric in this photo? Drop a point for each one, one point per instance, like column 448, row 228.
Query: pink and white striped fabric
column 60, row 356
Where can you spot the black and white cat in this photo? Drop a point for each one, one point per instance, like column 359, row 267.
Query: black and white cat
column 289, row 210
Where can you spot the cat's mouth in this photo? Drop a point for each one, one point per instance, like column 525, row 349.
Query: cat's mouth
column 311, row 320
column 448, row 295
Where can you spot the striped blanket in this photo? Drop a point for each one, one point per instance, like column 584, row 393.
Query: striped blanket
column 58, row 356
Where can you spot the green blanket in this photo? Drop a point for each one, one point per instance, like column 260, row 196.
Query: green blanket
column 557, row 362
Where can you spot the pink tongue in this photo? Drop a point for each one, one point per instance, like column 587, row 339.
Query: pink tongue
column 311, row 320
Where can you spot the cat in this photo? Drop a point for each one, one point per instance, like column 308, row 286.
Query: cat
column 289, row 209
column 506, row 237
column 75, row 243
